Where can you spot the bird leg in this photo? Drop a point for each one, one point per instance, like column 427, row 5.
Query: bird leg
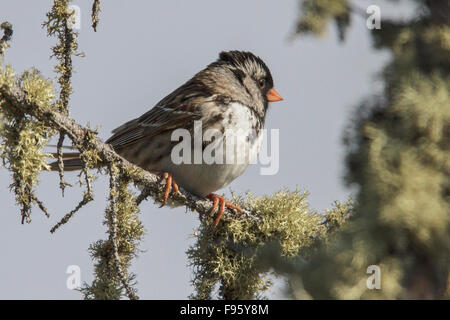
column 170, row 185
column 223, row 203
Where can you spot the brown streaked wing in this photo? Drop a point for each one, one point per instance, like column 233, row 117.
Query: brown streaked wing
column 177, row 110
column 157, row 120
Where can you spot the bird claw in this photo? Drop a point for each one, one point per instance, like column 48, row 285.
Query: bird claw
column 171, row 185
column 223, row 203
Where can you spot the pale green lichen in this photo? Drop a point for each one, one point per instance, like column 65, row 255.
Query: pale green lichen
column 316, row 15
column 227, row 255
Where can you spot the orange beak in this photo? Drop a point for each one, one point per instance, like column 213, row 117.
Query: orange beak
column 273, row 96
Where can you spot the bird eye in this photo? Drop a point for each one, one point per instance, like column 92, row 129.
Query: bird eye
column 262, row 83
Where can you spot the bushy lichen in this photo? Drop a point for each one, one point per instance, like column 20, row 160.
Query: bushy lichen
column 227, row 254
column 23, row 137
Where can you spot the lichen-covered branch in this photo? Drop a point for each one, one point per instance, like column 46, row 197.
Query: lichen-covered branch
column 62, row 182
column 113, row 256
column 112, row 213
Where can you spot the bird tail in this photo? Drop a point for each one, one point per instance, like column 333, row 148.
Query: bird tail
column 71, row 160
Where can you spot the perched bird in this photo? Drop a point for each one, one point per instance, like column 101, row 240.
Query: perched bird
column 230, row 94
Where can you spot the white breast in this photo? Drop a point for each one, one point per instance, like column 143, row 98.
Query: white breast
column 203, row 179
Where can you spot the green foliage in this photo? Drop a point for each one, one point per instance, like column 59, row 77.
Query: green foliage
column 228, row 254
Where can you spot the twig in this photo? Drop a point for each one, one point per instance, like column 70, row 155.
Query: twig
column 87, row 175
column 66, row 73
column 145, row 193
column 86, row 199
column 7, row 35
column 95, row 11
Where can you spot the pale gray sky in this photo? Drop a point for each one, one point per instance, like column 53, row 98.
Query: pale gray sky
column 142, row 51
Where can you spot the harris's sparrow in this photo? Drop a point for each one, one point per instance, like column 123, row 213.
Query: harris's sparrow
column 230, row 94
